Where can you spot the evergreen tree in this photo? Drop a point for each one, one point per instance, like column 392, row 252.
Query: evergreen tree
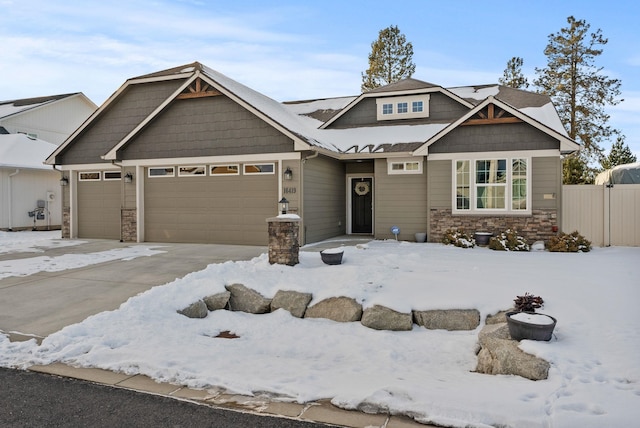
column 390, row 59
column 579, row 91
column 620, row 154
column 576, row 169
column 513, row 76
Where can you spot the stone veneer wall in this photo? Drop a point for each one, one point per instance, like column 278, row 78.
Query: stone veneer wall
column 536, row 227
column 284, row 244
column 66, row 222
column 129, row 225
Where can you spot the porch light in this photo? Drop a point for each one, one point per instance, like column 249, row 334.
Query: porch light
column 288, row 174
column 284, row 205
column 128, row 177
column 64, row 181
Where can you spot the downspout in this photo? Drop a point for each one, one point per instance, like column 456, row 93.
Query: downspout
column 11, row 200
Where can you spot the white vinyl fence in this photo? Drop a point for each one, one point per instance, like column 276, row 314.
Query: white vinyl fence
column 604, row 215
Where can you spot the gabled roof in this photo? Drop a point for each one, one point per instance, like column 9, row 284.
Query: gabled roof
column 567, row 145
column 15, row 107
column 22, row 151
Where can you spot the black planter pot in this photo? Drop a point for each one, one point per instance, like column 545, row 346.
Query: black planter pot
column 523, row 330
column 482, row 238
column 331, row 258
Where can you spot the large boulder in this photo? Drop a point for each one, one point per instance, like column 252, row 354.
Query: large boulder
column 497, row 317
column 448, row 319
column 382, row 318
column 293, row 301
column 244, row 299
column 341, row 309
column 195, row 310
column 499, row 354
column 217, row 301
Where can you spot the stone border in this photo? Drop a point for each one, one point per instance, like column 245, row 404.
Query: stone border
column 341, row 309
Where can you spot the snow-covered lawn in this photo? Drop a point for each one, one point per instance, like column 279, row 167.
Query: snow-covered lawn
column 593, row 381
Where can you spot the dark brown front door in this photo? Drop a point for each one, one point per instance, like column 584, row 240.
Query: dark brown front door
column 362, row 205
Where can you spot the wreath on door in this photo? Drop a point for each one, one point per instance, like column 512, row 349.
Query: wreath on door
column 362, row 188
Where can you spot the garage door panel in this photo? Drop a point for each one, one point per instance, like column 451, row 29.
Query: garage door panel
column 99, row 209
column 228, row 210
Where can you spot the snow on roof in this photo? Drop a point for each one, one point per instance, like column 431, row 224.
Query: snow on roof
column 474, row 92
column 22, row 151
column 306, row 107
column 547, row 115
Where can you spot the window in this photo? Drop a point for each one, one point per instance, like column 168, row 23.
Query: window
column 408, row 166
column 406, row 107
column 165, row 171
column 224, row 170
column 264, row 168
column 89, row 176
column 112, row 175
column 491, row 185
column 191, row 171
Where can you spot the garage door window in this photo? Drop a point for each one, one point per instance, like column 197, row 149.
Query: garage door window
column 224, row 170
column 191, row 171
column 262, row 168
column 112, row 175
column 168, row 171
column 89, row 176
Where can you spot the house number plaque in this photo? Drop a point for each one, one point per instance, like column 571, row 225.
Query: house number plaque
column 289, row 190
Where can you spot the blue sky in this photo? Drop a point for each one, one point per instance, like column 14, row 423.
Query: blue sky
column 292, row 50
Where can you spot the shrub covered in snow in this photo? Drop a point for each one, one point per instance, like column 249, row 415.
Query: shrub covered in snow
column 569, row 243
column 509, row 240
column 459, row 238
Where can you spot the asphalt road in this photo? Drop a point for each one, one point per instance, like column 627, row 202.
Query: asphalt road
column 29, row 399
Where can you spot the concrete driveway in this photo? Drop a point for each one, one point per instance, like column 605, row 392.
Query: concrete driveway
column 43, row 303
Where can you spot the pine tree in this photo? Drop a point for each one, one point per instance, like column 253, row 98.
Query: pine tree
column 620, row 154
column 513, row 76
column 390, row 59
column 576, row 169
column 579, row 91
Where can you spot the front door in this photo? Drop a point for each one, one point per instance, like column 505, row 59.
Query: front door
column 362, row 205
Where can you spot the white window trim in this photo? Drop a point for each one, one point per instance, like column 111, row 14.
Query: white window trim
column 104, row 176
column 89, row 172
column 394, row 101
column 473, row 185
column 212, row 174
column 273, row 169
column 172, row 174
column 204, row 171
column 404, row 161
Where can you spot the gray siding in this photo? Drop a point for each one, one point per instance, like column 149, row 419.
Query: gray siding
column 211, row 126
column 502, row 137
column 360, row 167
column 131, row 107
column 440, row 183
column 441, row 109
column 400, row 200
column 324, row 199
column 546, row 175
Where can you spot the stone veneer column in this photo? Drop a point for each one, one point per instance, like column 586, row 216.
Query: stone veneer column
column 66, row 222
column 129, row 225
column 284, row 245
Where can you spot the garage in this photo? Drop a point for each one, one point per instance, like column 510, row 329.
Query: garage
column 219, row 204
column 99, row 204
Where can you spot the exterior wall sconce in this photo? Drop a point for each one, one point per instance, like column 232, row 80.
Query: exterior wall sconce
column 288, row 174
column 64, row 181
column 128, row 177
column 284, row 205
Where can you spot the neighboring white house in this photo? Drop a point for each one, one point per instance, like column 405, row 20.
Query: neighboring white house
column 29, row 189
column 51, row 118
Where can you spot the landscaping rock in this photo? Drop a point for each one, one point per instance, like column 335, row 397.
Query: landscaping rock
column 499, row 354
column 497, row 317
column 195, row 310
column 382, row 318
column 293, row 301
column 451, row 319
column 217, row 301
column 341, row 309
column 244, row 299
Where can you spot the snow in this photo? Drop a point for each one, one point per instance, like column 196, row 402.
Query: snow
column 21, row 151
column 474, row 93
column 319, row 105
column 538, row 319
column 594, row 380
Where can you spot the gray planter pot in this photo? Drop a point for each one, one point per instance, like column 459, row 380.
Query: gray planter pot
column 532, row 331
column 482, row 238
column 331, row 258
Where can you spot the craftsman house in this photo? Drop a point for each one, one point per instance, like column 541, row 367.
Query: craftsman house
column 190, row 155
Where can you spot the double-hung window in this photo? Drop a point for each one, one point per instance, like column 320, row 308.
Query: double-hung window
column 490, row 185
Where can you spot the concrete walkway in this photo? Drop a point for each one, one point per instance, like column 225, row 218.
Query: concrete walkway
column 43, row 303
